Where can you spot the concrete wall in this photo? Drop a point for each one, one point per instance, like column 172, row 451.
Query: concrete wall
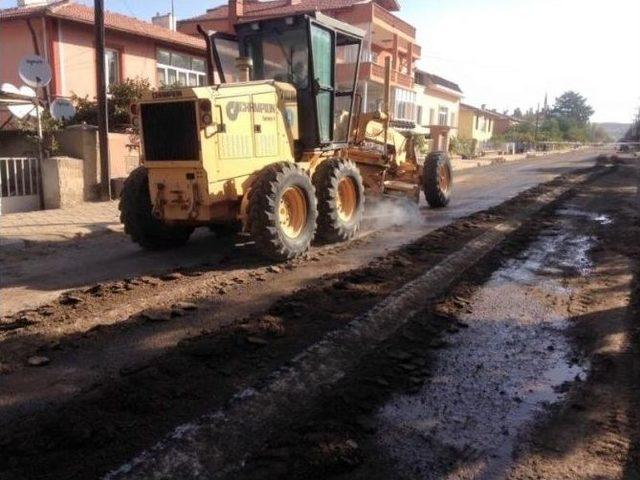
column 81, row 141
column 63, row 182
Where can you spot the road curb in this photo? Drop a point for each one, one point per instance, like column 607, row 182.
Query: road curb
column 215, row 445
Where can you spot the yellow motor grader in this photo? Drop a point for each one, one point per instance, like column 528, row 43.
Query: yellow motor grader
column 277, row 146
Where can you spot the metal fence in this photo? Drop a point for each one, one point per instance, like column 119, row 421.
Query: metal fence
column 19, row 184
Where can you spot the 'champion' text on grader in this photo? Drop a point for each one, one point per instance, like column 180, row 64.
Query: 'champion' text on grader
column 277, row 146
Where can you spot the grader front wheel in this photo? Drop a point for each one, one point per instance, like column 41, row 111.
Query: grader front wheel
column 139, row 222
column 283, row 211
column 340, row 199
column 437, row 181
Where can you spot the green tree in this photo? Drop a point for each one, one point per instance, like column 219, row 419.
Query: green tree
column 573, row 106
column 121, row 96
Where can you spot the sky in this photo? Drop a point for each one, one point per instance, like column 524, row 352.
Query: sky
column 508, row 53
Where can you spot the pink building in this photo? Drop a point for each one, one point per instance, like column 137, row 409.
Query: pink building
column 62, row 33
column 387, row 36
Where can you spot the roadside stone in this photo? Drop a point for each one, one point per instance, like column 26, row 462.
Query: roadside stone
column 203, row 349
column 402, row 262
column 38, row 361
column 69, row 299
column 150, row 280
column 274, row 269
column 438, row 343
column 271, row 325
column 46, row 310
column 257, row 341
column 170, row 277
column 132, row 369
column 382, row 382
column 366, row 424
column 407, row 367
column 156, row 315
column 185, row 306
column 5, row 369
column 95, row 290
column 195, row 273
column 399, row 355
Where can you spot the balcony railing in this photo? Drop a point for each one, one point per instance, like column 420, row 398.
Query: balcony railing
column 376, row 72
column 394, row 21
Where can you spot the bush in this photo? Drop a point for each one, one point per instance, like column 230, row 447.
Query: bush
column 121, row 96
column 29, row 127
column 462, row 147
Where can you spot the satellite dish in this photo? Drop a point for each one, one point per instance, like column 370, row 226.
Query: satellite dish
column 62, row 109
column 30, row 92
column 35, row 71
column 19, row 111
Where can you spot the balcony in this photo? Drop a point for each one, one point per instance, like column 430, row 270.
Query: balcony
column 375, row 72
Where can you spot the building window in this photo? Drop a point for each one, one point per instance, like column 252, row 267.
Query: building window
column 477, row 122
column 432, row 115
column 419, row 116
column 443, row 116
column 453, row 119
column 405, row 107
column 175, row 68
column 112, row 66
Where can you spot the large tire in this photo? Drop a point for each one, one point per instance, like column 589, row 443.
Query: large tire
column 283, row 211
column 139, row 223
column 340, row 193
column 226, row 230
column 437, row 179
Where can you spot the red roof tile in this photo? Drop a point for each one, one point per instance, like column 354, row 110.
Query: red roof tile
column 68, row 10
column 255, row 9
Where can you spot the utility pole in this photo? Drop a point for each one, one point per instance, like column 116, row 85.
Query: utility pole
column 535, row 135
column 101, row 88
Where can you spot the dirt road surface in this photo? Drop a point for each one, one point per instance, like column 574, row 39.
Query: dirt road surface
column 527, row 368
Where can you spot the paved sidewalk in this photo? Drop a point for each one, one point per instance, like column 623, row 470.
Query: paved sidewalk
column 464, row 164
column 19, row 230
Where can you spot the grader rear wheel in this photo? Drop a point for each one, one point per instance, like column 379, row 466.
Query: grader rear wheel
column 340, row 199
column 292, row 212
column 283, row 211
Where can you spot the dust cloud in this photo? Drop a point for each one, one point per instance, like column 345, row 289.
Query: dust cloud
column 386, row 213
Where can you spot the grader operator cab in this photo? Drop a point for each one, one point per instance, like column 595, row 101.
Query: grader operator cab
column 269, row 148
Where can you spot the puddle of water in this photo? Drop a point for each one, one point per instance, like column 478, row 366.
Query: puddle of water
column 499, row 373
column 602, row 219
